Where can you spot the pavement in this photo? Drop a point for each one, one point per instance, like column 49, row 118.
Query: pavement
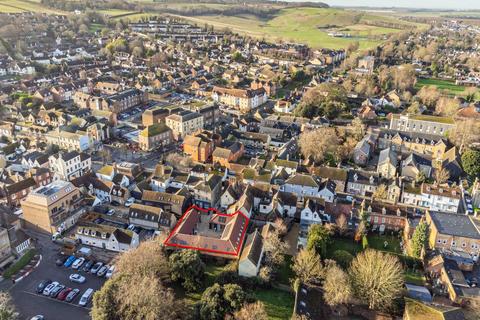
column 29, row 303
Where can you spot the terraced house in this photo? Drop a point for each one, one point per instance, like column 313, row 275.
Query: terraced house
column 242, row 99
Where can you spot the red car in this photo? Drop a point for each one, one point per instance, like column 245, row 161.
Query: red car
column 64, row 293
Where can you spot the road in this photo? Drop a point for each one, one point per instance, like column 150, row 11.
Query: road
column 29, row 303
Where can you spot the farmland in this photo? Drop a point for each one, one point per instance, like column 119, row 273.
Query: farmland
column 15, row 6
column 446, row 86
column 312, row 26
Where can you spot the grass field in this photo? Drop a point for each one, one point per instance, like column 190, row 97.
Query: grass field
column 448, row 87
column 278, row 304
column 115, row 12
column 311, row 26
column 13, row 6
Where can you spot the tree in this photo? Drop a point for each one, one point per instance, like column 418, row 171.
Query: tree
column 465, row 133
column 441, row 175
column 218, row 301
column 381, row 192
column 376, row 278
column 419, row 239
column 343, row 258
column 358, row 128
column 471, row 162
column 316, row 144
column 307, row 266
column 414, row 108
column 318, row 238
column 251, row 311
column 336, row 287
column 7, row 309
column 136, row 297
column 429, row 95
column 364, row 242
column 403, row 77
column 147, row 259
column 447, row 106
column 187, row 267
column 342, row 224
column 327, row 99
column 274, row 247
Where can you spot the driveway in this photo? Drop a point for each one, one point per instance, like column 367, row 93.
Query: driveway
column 29, row 303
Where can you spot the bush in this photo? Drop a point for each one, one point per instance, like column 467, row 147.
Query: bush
column 343, row 258
column 17, row 266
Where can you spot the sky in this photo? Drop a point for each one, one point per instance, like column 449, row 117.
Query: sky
column 430, row 4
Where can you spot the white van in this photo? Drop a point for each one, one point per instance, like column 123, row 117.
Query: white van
column 87, row 295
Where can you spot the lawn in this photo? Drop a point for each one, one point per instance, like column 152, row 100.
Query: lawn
column 378, row 242
column 375, row 241
column 278, row 304
column 310, row 25
column 285, row 273
column 446, row 85
column 414, row 277
column 22, row 262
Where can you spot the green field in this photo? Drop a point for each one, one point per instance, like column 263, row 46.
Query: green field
column 115, row 12
column 278, row 304
column 311, row 26
column 448, row 87
column 14, row 6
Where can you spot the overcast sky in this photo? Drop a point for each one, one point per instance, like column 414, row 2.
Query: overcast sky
column 434, row 4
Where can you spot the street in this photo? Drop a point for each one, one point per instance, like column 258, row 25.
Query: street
column 29, row 303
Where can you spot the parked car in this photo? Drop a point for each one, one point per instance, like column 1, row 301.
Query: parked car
column 42, row 285
column 60, row 261
column 103, row 270
column 38, row 317
column 63, row 294
column 111, row 212
column 88, row 265
column 75, row 277
column 48, row 289
column 129, row 202
column 110, row 272
column 57, row 290
column 78, row 263
column 115, row 203
column 70, row 260
column 96, row 267
column 87, row 295
column 72, row 294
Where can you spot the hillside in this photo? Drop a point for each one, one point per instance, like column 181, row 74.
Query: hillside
column 313, row 26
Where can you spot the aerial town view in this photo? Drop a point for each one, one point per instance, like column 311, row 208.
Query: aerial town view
column 239, row 160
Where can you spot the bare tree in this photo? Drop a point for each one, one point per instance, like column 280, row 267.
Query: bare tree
column 358, row 128
column 447, row 106
column 381, row 192
column 342, row 224
column 441, row 175
column 465, row 133
column 318, row 143
column 275, row 249
column 307, row 266
column 7, row 309
column 376, row 278
column 251, row 311
column 336, row 287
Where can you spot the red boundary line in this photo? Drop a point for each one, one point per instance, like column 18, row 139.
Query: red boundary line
column 236, row 253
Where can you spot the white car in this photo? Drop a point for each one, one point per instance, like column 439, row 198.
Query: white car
column 110, row 272
column 48, row 289
column 111, row 212
column 78, row 263
column 129, row 202
column 87, row 295
column 75, row 277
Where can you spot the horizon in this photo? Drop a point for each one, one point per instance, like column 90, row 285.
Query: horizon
column 404, row 4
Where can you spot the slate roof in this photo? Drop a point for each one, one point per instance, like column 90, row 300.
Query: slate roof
column 455, row 224
column 252, row 250
column 388, row 155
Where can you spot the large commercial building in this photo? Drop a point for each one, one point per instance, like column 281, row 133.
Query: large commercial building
column 244, row 100
column 421, row 123
column 53, row 208
column 185, row 122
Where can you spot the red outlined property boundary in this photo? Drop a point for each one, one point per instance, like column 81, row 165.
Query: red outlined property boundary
column 237, row 251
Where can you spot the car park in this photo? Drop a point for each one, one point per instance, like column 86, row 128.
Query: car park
column 63, row 294
column 60, row 261
column 87, row 295
column 103, row 270
column 42, row 285
column 75, row 277
column 72, row 294
column 110, row 272
column 88, row 265
column 49, row 288
column 96, row 267
column 70, row 260
column 78, row 263
column 57, row 290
